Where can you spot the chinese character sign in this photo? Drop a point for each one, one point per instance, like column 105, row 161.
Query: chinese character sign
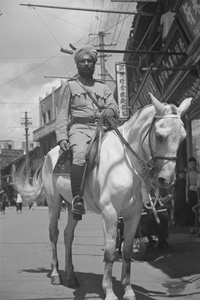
column 122, row 90
column 190, row 14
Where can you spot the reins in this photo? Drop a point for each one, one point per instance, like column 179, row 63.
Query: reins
column 143, row 162
column 147, row 166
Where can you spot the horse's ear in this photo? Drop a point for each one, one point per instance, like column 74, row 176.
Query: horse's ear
column 157, row 104
column 184, row 106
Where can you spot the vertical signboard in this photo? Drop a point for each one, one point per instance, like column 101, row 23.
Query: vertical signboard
column 189, row 12
column 122, row 90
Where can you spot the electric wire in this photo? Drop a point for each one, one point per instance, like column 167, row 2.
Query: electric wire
column 26, row 72
column 47, row 27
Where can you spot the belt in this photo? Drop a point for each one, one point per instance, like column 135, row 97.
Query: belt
column 84, row 120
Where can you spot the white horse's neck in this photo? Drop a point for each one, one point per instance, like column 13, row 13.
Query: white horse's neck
column 136, row 127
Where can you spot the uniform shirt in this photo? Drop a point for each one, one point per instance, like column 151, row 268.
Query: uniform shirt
column 74, row 102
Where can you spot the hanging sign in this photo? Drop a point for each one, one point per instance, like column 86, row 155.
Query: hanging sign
column 122, row 90
column 190, row 14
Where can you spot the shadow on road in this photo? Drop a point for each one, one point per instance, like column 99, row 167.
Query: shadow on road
column 91, row 286
column 91, row 283
column 177, row 261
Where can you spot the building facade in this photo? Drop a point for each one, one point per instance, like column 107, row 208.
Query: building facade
column 167, row 33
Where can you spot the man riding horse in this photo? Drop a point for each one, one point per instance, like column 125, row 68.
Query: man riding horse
column 78, row 114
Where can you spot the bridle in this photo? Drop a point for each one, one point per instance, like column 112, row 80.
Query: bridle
column 154, row 157
column 152, row 163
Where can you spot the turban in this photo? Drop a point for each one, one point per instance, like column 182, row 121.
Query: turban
column 83, row 50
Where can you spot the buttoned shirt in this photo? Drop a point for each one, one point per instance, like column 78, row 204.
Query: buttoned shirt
column 74, row 102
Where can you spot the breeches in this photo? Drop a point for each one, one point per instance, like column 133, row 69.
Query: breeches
column 79, row 141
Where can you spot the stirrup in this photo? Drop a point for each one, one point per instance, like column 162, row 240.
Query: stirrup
column 78, row 208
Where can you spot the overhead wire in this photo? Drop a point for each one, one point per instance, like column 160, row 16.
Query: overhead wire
column 26, row 72
column 64, row 20
column 47, row 27
column 122, row 24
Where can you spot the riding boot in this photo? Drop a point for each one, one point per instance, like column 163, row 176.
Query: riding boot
column 78, row 208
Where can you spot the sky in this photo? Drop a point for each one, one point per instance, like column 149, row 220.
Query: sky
column 30, row 43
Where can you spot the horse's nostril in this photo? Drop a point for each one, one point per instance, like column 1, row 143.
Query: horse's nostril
column 162, row 181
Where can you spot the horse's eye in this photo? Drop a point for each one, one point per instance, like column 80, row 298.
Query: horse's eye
column 159, row 137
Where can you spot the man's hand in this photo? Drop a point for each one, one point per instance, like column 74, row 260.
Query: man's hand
column 109, row 113
column 64, row 145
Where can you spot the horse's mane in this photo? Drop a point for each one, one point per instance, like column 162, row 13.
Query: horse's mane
column 147, row 109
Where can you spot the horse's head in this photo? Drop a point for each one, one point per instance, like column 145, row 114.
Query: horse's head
column 166, row 134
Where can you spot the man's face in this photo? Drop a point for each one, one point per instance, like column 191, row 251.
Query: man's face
column 86, row 66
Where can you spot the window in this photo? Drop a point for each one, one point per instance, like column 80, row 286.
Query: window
column 44, row 118
column 48, row 115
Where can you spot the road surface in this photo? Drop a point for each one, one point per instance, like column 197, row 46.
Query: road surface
column 25, row 257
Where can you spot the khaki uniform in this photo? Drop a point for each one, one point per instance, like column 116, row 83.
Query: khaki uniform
column 74, row 103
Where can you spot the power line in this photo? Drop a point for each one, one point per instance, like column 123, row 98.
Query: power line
column 13, row 79
column 63, row 20
column 47, row 28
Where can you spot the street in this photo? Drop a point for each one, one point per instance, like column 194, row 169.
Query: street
column 25, row 254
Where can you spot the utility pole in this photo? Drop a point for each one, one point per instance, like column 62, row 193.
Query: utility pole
column 26, row 122
column 102, row 56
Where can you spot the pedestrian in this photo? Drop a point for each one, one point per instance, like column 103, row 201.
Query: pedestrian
column 180, row 206
column 19, row 203
column 77, row 116
column 3, row 197
column 191, row 192
column 198, row 188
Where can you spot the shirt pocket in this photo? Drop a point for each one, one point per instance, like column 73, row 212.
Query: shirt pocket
column 99, row 96
column 79, row 99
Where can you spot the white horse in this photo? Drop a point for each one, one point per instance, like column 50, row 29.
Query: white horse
column 113, row 189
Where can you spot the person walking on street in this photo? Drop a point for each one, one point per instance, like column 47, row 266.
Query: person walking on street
column 78, row 114
column 3, row 202
column 191, row 192
column 19, row 203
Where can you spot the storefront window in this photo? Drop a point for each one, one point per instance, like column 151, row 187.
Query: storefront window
column 196, row 140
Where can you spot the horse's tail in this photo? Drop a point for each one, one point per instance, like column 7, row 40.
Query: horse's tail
column 31, row 189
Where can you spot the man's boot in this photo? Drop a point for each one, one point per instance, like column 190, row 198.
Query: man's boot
column 78, row 208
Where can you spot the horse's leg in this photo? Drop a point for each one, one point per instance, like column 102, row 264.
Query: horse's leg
column 72, row 280
column 110, row 232
column 130, row 226
column 54, row 213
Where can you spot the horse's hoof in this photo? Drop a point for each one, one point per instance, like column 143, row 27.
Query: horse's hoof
column 73, row 283
column 56, row 280
column 129, row 295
